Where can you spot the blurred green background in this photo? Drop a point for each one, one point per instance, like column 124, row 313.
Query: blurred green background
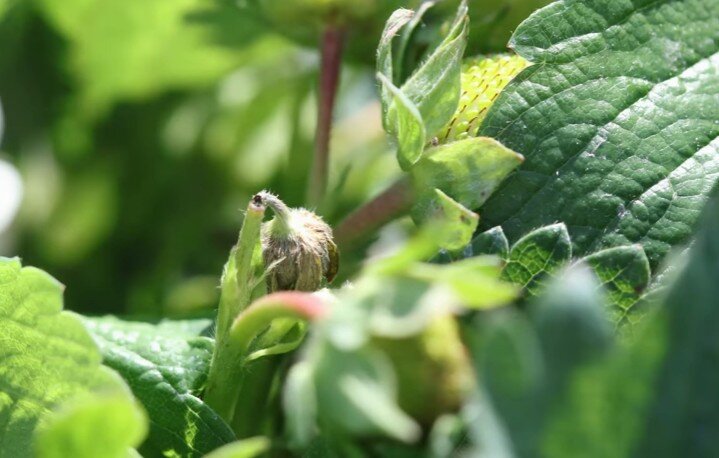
column 141, row 127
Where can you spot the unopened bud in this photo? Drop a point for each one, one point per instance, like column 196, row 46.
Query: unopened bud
column 297, row 247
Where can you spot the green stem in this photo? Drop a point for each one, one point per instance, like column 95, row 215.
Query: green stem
column 237, row 278
column 235, row 289
column 227, row 371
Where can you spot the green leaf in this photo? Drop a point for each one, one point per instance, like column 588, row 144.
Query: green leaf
column 132, row 49
column 385, row 61
column 405, row 122
column 572, row 325
column 435, row 86
column 358, row 393
column 529, row 362
column 536, row 255
column 246, row 448
column 617, row 121
column 624, row 273
column 455, row 224
column 108, row 425
column 300, row 404
column 685, row 385
column 48, row 357
column 166, row 366
column 468, row 171
column 492, row 241
column 475, row 280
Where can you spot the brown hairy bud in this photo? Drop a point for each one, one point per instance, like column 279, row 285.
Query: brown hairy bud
column 297, row 247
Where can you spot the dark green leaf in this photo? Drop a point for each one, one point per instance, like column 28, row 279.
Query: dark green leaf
column 617, row 120
column 536, row 255
column 624, row 273
column 684, row 417
column 166, row 366
column 492, row 241
column 526, row 365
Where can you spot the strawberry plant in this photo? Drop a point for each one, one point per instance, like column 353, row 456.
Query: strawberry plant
column 537, row 278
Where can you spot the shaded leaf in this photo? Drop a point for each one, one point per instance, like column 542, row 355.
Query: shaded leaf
column 492, row 241
column 624, row 273
column 166, row 366
column 537, row 255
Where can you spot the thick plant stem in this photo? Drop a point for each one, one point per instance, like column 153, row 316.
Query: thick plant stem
column 228, row 369
column 331, row 60
column 394, row 202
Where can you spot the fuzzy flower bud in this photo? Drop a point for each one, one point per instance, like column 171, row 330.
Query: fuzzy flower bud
column 297, row 247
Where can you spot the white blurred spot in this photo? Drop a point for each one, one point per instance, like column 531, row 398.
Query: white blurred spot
column 10, row 194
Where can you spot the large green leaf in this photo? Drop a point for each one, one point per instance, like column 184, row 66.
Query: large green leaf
column 616, row 119
column 48, row 358
column 166, row 366
column 101, row 425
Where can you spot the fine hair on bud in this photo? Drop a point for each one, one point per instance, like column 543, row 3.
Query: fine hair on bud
column 297, row 247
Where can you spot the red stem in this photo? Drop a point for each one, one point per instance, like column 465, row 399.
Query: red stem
column 331, row 59
column 392, row 203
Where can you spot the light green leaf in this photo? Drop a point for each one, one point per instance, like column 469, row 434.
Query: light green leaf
column 405, row 122
column 357, row 393
column 48, row 357
column 475, row 280
column 246, row 448
column 453, row 222
column 537, row 255
column 624, row 273
column 617, row 121
column 468, row 171
column 166, row 366
column 300, row 404
column 435, row 86
column 108, row 425
column 385, row 62
column 133, row 48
